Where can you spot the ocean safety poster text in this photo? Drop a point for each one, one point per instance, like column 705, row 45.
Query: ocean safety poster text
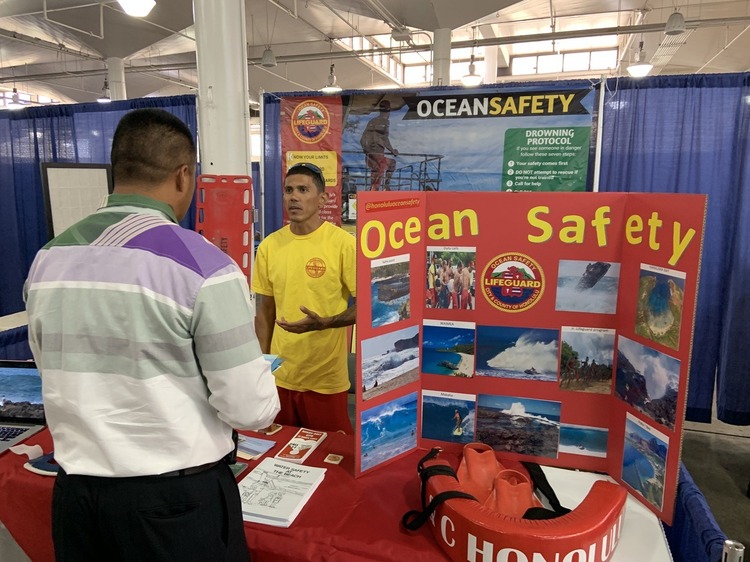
column 556, row 328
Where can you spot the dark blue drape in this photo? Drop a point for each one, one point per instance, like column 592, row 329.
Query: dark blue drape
column 272, row 205
column 76, row 133
column 688, row 134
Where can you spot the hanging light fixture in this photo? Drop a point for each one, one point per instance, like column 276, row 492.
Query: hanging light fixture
column 269, row 59
column 15, row 101
column 331, row 87
column 675, row 24
column 472, row 78
column 640, row 67
column 104, row 97
column 137, row 8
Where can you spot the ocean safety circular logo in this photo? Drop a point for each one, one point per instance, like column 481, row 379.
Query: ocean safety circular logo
column 513, row 282
column 310, row 121
column 315, row 267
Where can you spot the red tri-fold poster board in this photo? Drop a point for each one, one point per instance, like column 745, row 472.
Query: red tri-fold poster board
column 555, row 327
column 224, row 216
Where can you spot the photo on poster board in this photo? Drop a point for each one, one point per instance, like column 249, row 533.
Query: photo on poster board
column 389, row 296
column 451, row 274
column 448, row 416
column 583, row 440
column 517, row 353
column 647, row 380
column 514, row 424
column 448, row 348
column 586, row 359
column 644, row 460
column 661, row 294
column 388, row 430
column 389, row 361
column 587, row 286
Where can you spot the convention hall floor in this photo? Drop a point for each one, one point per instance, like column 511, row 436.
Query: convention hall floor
column 717, row 456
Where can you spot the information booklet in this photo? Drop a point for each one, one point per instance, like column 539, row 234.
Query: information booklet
column 275, row 491
column 301, row 445
column 251, row 448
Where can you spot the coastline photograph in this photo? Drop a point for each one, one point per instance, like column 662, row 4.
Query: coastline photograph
column 648, row 380
column 661, row 293
column 448, row 348
column 587, row 286
column 583, row 440
column 389, row 361
column 388, row 430
column 586, row 359
column 644, row 460
column 517, row 353
column 448, row 416
column 514, row 424
column 389, row 290
column 20, row 393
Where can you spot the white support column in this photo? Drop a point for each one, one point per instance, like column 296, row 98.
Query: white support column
column 223, row 100
column 441, row 57
column 116, row 78
column 490, row 64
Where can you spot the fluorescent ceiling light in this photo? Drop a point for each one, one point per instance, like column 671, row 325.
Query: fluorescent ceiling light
column 137, row 8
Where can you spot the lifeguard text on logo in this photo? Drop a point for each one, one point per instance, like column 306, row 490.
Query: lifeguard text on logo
column 310, row 121
column 513, row 282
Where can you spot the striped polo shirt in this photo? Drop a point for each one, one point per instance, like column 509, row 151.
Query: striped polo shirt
column 143, row 332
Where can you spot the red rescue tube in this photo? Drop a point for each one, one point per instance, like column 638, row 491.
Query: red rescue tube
column 470, row 532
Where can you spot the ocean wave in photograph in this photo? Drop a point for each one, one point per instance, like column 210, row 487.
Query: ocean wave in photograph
column 439, row 422
column 517, row 353
column 388, row 430
column 580, row 440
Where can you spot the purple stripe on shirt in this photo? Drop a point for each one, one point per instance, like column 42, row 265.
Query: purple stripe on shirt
column 186, row 247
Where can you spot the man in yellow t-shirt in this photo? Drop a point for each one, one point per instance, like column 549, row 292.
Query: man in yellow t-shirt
column 303, row 278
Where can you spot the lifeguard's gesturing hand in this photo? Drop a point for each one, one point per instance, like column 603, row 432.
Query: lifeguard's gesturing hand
column 309, row 323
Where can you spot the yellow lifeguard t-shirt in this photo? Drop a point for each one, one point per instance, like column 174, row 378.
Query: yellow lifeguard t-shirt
column 318, row 271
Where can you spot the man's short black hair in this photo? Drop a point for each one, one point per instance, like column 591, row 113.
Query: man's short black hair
column 148, row 145
column 311, row 170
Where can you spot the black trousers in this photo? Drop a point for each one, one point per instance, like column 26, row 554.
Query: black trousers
column 197, row 517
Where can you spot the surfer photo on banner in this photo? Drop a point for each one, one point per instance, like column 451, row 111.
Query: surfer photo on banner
column 457, row 417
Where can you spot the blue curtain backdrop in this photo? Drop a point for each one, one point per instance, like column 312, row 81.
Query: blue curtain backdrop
column 689, row 134
column 77, row 133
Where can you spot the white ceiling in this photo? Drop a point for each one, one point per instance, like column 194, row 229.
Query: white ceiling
column 58, row 48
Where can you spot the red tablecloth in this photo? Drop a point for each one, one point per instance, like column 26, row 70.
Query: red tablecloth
column 346, row 520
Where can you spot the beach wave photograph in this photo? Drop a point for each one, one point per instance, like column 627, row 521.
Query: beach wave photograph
column 517, row 353
column 448, row 416
column 388, row 430
column 389, row 361
column 513, row 424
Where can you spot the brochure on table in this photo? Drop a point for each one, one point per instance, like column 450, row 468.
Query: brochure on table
column 556, row 327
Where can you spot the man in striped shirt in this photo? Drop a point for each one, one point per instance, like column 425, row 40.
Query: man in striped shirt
column 143, row 333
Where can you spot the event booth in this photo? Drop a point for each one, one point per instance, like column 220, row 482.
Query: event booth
column 682, row 135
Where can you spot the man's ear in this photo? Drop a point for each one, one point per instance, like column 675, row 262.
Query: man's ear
column 323, row 198
column 182, row 178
